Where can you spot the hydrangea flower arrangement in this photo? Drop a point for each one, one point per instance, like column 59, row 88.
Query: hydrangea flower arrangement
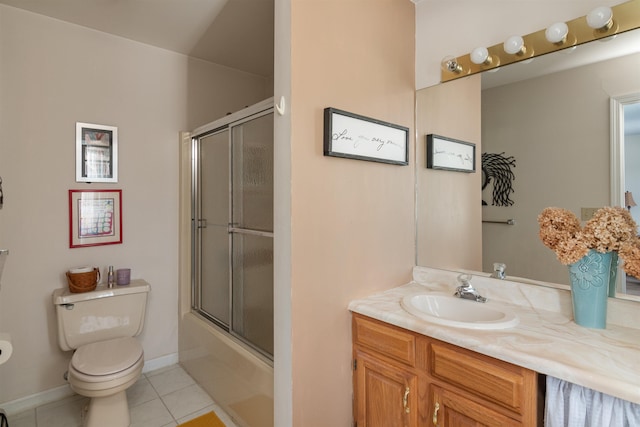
column 610, row 229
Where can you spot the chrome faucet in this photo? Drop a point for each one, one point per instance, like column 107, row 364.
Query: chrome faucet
column 466, row 289
column 498, row 270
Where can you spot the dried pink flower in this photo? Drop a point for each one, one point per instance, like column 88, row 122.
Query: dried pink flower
column 571, row 250
column 610, row 229
column 557, row 225
column 630, row 253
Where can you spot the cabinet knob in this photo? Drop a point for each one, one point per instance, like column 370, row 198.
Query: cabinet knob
column 435, row 414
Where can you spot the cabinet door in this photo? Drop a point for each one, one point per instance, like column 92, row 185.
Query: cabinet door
column 386, row 395
column 450, row 409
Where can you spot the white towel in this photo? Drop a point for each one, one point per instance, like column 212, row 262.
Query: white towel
column 571, row 405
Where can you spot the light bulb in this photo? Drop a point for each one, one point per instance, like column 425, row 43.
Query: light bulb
column 450, row 64
column 514, row 45
column 557, row 33
column 600, row 18
column 480, row 56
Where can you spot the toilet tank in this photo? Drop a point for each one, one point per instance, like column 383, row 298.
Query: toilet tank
column 101, row 314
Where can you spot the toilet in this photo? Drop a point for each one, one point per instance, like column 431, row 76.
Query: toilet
column 100, row 326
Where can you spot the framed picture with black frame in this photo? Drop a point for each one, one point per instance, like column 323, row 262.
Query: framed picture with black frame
column 354, row 136
column 450, row 154
column 96, row 153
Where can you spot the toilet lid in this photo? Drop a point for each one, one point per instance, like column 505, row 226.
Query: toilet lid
column 107, row 357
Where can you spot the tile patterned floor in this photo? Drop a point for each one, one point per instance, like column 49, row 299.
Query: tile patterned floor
column 162, row 398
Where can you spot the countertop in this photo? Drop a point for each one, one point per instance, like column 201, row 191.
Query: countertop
column 546, row 339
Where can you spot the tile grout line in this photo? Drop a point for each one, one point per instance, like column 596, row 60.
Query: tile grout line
column 160, row 397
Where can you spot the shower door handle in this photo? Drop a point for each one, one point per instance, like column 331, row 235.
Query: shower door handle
column 249, row 231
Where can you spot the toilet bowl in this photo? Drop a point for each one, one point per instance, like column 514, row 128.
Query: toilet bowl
column 104, row 371
column 100, row 326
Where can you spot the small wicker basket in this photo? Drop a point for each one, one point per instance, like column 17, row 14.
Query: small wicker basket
column 83, row 282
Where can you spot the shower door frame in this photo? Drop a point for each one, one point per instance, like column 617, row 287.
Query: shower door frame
column 225, row 124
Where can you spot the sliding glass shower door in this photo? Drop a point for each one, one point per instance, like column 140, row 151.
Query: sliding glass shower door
column 233, row 229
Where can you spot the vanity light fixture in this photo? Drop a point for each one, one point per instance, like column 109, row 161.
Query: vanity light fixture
column 600, row 18
column 480, row 56
column 599, row 24
column 557, row 33
column 514, row 45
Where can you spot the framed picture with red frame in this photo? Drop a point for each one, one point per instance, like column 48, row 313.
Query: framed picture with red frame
column 95, row 217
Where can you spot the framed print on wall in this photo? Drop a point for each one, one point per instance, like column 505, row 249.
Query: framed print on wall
column 95, row 217
column 96, row 153
column 450, row 154
column 353, row 136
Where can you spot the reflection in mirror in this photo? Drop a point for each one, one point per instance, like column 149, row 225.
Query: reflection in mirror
column 557, row 127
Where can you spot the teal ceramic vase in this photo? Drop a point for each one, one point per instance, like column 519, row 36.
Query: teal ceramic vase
column 590, row 278
column 613, row 275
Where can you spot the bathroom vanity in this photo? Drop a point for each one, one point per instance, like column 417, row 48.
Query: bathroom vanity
column 410, row 372
column 403, row 378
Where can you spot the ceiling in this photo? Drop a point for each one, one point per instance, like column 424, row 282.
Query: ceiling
column 233, row 33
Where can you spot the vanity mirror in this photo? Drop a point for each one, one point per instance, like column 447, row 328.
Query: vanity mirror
column 554, row 117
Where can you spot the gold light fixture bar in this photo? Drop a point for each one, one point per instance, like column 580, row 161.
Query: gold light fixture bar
column 626, row 17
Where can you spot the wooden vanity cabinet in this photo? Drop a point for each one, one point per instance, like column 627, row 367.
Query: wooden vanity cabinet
column 385, row 380
column 405, row 379
column 385, row 393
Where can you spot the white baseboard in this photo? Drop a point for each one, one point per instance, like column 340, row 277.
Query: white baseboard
column 160, row 362
column 42, row 398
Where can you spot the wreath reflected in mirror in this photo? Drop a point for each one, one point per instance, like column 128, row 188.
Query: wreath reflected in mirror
column 496, row 170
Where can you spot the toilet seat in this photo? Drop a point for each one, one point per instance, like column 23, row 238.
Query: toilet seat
column 108, row 360
column 105, row 369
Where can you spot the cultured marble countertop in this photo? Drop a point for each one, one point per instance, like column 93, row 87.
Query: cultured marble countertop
column 546, row 339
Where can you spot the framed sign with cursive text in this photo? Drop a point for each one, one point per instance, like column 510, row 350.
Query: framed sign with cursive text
column 357, row 137
column 450, row 154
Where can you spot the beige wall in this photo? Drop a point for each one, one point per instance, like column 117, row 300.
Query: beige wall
column 562, row 151
column 52, row 75
column 448, row 203
column 352, row 228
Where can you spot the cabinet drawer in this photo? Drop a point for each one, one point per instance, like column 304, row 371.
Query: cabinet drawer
column 449, row 408
column 390, row 341
column 502, row 383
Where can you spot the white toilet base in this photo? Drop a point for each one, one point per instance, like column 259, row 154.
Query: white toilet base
column 108, row 411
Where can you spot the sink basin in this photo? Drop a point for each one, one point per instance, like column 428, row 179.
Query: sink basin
column 448, row 310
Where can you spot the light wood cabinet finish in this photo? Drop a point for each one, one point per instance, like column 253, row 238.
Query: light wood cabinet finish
column 387, row 392
column 451, row 409
column 406, row 379
column 395, row 343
